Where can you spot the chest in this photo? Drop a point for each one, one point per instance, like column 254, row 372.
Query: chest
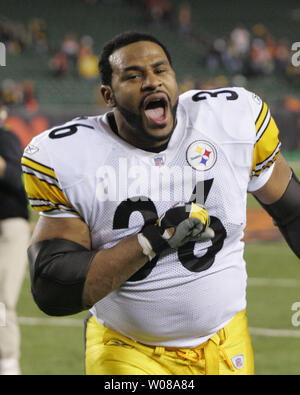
column 133, row 189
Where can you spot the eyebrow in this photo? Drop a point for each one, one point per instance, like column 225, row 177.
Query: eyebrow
column 154, row 65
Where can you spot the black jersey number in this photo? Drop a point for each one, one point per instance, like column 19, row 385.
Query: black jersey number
column 147, row 208
column 186, row 252
column 68, row 130
column 186, row 256
column 201, row 95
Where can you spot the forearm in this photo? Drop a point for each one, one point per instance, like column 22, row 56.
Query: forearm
column 112, row 267
column 67, row 276
column 286, row 214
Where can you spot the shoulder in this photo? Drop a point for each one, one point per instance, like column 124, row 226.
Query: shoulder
column 220, row 97
column 68, row 149
column 58, row 133
column 232, row 109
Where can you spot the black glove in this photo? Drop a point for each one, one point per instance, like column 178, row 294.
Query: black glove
column 190, row 222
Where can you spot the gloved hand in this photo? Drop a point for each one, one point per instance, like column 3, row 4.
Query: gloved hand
column 177, row 226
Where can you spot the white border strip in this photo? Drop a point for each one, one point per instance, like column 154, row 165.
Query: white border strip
column 35, row 321
column 273, row 282
column 274, row 332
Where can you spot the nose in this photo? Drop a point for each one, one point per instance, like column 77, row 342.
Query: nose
column 151, row 81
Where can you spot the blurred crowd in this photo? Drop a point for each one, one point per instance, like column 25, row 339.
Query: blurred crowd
column 78, row 54
column 242, row 55
column 249, row 52
column 18, row 36
column 235, row 59
column 16, row 93
column 252, row 53
column 74, row 55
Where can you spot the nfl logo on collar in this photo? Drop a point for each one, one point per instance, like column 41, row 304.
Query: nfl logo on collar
column 159, row 160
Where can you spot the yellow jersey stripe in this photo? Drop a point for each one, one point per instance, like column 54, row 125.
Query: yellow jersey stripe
column 38, row 167
column 264, row 126
column 261, row 117
column 261, row 164
column 266, row 163
column 41, row 176
column 41, row 189
column 266, row 148
column 46, row 203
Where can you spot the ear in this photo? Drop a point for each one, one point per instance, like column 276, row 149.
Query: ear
column 107, row 94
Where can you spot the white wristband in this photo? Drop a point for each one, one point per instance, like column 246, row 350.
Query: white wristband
column 146, row 246
column 167, row 234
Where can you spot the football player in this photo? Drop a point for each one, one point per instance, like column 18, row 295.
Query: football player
column 143, row 211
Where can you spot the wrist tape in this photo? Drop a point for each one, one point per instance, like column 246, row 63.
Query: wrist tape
column 152, row 240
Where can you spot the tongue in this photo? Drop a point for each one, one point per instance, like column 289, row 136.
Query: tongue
column 156, row 115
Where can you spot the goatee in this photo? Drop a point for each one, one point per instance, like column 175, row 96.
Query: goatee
column 135, row 121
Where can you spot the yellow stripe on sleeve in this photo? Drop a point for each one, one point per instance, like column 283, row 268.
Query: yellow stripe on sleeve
column 40, row 190
column 38, row 167
column 266, row 148
column 261, row 117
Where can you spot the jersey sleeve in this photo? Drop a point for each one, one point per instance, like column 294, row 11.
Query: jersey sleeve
column 266, row 144
column 44, row 191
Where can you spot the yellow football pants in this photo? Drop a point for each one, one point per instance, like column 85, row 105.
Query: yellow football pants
column 229, row 352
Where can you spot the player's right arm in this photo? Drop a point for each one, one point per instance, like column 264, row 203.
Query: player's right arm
column 67, row 276
column 107, row 269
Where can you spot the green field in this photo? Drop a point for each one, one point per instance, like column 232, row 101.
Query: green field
column 56, row 347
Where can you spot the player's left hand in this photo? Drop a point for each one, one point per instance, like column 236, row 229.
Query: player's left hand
column 184, row 223
column 179, row 225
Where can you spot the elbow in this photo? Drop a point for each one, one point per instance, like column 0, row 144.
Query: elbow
column 58, row 270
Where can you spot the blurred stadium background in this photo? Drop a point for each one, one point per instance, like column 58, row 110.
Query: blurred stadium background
column 51, row 76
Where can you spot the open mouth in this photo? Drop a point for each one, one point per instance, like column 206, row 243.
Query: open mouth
column 155, row 108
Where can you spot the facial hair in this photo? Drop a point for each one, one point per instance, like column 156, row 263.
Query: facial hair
column 135, row 121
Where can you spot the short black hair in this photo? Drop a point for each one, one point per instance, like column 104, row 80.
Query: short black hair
column 119, row 41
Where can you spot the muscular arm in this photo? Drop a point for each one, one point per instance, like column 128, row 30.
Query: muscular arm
column 273, row 190
column 109, row 268
column 280, row 197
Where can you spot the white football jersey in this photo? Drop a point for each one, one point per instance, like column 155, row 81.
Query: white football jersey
column 224, row 145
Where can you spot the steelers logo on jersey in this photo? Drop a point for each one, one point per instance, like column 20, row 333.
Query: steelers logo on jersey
column 201, row 155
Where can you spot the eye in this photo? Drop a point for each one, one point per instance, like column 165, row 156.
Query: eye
column 133, row 76
column 160, row 71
